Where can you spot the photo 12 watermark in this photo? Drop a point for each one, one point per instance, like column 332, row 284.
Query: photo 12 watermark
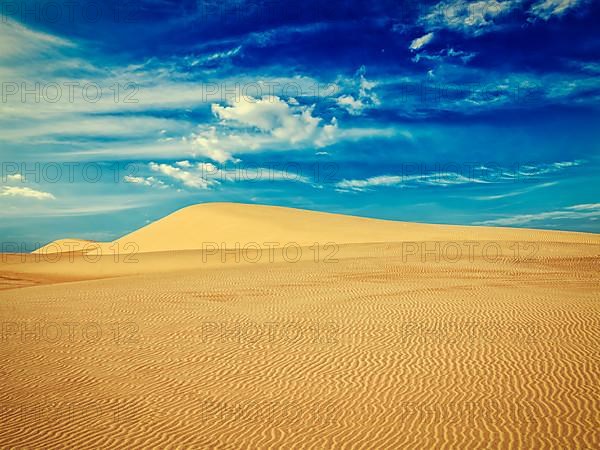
column 271, row 333
column 432, row 93
column 264, row 91
column 36, row 92
column 271, row 252
column 68, row 412
column 469, row 251
column 210, row 173
column 68, row 332
column 69, row 251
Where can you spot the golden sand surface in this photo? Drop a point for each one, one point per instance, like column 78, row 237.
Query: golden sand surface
column 360, row 334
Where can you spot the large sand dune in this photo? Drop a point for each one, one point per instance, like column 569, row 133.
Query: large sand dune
column 387, row 339
column 231, row 224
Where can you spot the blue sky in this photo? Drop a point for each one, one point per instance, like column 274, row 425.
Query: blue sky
column 116, row 113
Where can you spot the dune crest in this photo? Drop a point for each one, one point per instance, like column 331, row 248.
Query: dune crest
column 69, row 245
column 196, row 227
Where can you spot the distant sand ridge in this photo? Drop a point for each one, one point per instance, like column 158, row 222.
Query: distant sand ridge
column 192, row 228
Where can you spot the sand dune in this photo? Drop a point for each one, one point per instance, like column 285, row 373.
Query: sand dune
column 380, row 345
column 69, row 245
column 199, row 226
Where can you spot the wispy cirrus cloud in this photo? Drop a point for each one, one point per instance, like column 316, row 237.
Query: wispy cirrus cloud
column 206, row 175
column 478, row 174
column 483, row 16
column 545, row 9
column 583, row 211
column 442, row 179
column 473, row 18
column 18, row 41
column 515, row 193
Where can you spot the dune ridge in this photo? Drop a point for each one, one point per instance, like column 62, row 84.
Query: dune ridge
column 196, row 227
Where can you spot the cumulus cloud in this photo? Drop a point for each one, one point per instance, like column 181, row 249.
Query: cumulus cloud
column 362, row 95
column 421, row 42
column 268, row 123
column 352, row 105
column 12, row 191
column 185, row 177
column 144, row 181
column 276, row 117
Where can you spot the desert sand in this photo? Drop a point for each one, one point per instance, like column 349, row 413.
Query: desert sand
column 226, row 326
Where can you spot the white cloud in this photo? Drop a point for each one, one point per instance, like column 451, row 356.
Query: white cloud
column 188, row 179
column 363, row 185
column 445, row 55
column 468, row 17
column 15, row 177
column 113, row 126
column 86, row 205
column 144, row 181
column 591, row 67
column 545, row 9
column 246, row 125
column 268, row 123
column 361, row 96
column 419, row 43
column 430, row 179
column 17, row 40
column 135, row 180
column 471, row 175
column 515, row 193
column 12, row 191
column 350, row 104
column 543, row 169
column 216, row 56
column 585, row 207
column 585, row 211
column 204, row 175
column 276, row 117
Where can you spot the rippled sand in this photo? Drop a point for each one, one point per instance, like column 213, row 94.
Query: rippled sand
column 373, row 345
